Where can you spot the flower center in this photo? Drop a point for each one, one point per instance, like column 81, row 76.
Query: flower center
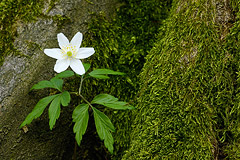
column 69, row 54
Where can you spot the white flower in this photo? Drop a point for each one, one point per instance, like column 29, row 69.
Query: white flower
column 69, row 54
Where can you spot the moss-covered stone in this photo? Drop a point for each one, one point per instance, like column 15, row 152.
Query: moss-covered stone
column 11, row 12
column 189, row 87
column 232, row 131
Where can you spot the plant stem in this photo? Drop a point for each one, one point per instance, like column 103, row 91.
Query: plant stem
column 76, row 93
column 79, row 92
column 85, row 100
column 75, row 151
column 80, row 87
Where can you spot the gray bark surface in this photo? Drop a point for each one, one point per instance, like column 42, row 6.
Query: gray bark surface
column 19, row 73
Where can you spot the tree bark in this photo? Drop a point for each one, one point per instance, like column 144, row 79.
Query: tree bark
column 187, row 94
column 19, row 73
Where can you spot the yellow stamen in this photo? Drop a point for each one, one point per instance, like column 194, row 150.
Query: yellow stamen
column 69, row 53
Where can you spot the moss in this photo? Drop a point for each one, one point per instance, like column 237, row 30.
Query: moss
column 11, row 12
column 51, row 5
column 88, row 1
column 61, row 20
column 122, row 44
column 189, row 84
column 231, row 148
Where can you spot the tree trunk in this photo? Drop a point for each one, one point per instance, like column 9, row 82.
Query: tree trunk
column 188, row 104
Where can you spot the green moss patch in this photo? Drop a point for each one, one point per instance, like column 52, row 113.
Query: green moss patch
column 231, row 139
column 122, row 44
column 12, row 12
column 189, row 84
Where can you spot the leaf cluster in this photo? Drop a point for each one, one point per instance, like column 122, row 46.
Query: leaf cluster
column 103, row 124
column 55, row 101
column 80, row 114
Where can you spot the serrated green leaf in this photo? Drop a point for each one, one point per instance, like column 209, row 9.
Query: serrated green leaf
column 86, row 66
column 111, row 102
column 65, row 98
column 54, row 111
column 100, row 76
column 104, row 98
column 104, row 128
column 102, row 73
column 38, row 109
column 118, row 105
column 43, row 84
column 109, row 142
column 57, row 83
column 106, row 71
column 104, row 119
column 80, row 117
column 64, row 74
column 53, row 83
column 100, row 130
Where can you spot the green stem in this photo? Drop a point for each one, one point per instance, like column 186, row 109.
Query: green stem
column 85, row 100
column 75, row 151
column 80, row 87
column 79, row 92
column 76, row 93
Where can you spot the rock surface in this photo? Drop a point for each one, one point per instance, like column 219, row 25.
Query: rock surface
column 19, row 73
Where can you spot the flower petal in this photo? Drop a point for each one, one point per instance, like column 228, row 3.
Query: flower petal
column 61, row 65
column 54, row 53
column 77, row 66
column 77, row 40
column 62, row 40
column 85, row 52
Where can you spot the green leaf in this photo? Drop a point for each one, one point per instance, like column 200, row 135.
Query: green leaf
column 86, row 66
column 108, row 142
column 38, row 110
column 53, row 83
column 57, row 83
column 111, row 102
column 54, row 111
column 102, row 73
column 64, row 74
column 104, row 128
column 101, row 98
column 118, row 105
column 107, row 71
column 80, row 117
column 104, row 119
column 65, row 98
column 99, row 76
column 42, row 84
